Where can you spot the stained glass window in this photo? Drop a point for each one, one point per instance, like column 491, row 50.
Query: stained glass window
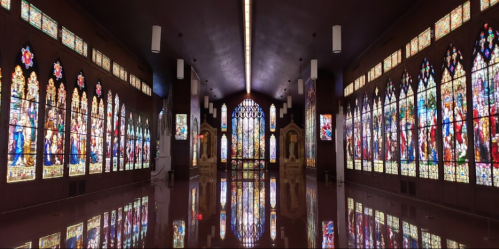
column 379, row 227
column 5, row 4
column 419, row 43
column 36, row 18
column 273, row 224
column 97, row 131
column 101, row 60
column 368, row 228
column 390, row 128
column 328, row 234
column 273, row 153
column 50, row 241
column 442, row 27
column 310, row 124
column 119, row 71
column 485, row 81
column 454, row 112
column 109, row 132
column 452, row 20
column 195, row 143
column 272, row 118
column 366, row 134
column 349, row 137
column 357, row 141
column 122, row 138
column 181, row 127
column 127, row 226
column 74, row 236
column 78, row 126
column 224, row 117
column 359, row 82
column 248, row 133
column 377, row 132
column 454, row 244
column 392, row 60
column 147, row 146
column 223, row 221
column 429, row 240
column 393, row 232
column 138, row 145
column 105, row 230
column 427, row 117
column 348, row 90
column 407, row 128
column 485, row 4
column 93, row 232
column 55, row 124
column 23, row 121
column 130, row 143
column 359, row 224
column 410, row 233
column 223, row 149
column 326, row 133
column 116, row 132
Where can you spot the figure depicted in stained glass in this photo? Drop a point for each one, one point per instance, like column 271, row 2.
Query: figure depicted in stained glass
column 390, row 114
column 273, row 149
column 485, row 85
column 326, row 128
column 97, row 132
column 109, row 132
column 357, row 142
column 116, row 134
column 377, row 132
column 138, row 145
column 366, row 135
column 147, row 145
column 272, row 118
column 55, row 123
column 181, row 127
column 349, row 137
column 407, row 127
column 130, row 142
column 78, row 127
column 23, row 119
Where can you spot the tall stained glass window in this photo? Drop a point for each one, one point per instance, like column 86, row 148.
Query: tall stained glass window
column 122, row 138
column 349, row 137
column 97, row 131
column 272, row 118
column 93, row 232
column 181, row 127
column 223, row 149
column 109, row 132
column 391, row 133
column 224, row 117
column 55, row 124
column 410, row 233
column 273, row 153
column 147, row 145
column 485, row 81
column 366, row 135
column 78, row 127
column 328, row 234
column 248, row 133
column 116, row 133
column 377, row 132
column 310, row 124
column 407, row 127
column 138, row 145
column 357, row 137
column 195, row 143
column 130, row 144
column 5, row 4
column 427, row 117
column 23, row 118
column 393, row 231
column 454, row 112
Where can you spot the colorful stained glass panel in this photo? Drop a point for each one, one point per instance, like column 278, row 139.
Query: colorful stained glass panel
column 326, row 133
column 181, row 127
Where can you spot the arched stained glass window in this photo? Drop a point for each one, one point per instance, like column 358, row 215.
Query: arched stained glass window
column 78, row 127
column 366, row 135
column 97, row 131
column 391, row 133
column 55, row 123
column 138, row 145
column 349, row 137
column 427, row 116
column 130, row 144
column 273, row 153
column 23, row 118
column 147, row 145
column 109, row 132
column 407, row 127
column 122, row 138
column 377, row 132
column 116, row 134
column 272, row 118
column 357, row 137
column 223, row 149
column 454, row 112
column 485, row 80
column 195, row 143
column 224, row 117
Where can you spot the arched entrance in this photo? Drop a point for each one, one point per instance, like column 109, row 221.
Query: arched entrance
column 248, row 136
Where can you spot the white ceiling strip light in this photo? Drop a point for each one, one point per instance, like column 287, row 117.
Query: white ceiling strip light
column 247, row 42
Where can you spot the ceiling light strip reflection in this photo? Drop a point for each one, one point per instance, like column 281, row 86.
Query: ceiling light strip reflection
column 247, row 42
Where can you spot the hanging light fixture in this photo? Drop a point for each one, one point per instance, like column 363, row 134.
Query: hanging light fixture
column 313, row 69
column 280, row 113
column 206, row 98
column 300, row 81
column 194, row 86
column 214, row 112
column 211, row 108
column 285, row 108
column 180, row 62
column 336, row 39
column 156, row 39
column 289, row 95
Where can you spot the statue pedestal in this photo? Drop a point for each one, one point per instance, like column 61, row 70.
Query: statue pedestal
column 164, row 160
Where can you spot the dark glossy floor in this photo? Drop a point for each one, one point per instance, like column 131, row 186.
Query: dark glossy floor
column 244, row 209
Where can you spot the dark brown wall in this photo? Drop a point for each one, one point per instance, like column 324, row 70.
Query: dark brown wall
column 470, row 197
column 14, row 33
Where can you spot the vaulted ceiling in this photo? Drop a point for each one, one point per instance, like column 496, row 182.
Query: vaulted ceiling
column 212, row 31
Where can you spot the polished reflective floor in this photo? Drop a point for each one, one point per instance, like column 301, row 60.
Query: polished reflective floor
column 237, row 209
